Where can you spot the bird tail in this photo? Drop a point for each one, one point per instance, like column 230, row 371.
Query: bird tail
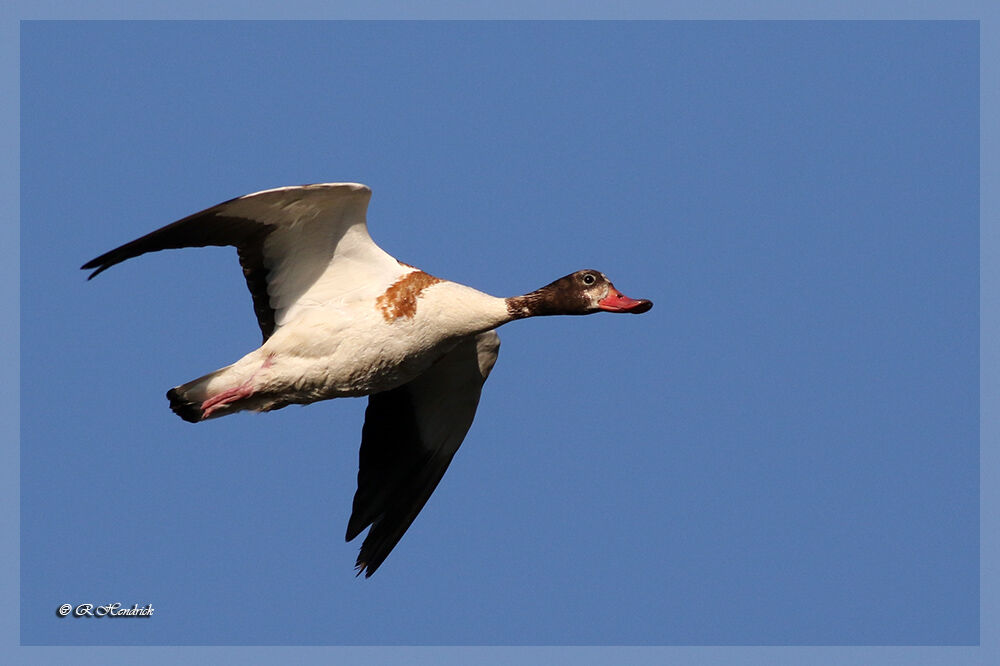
column 187, row 409
column 186, row 400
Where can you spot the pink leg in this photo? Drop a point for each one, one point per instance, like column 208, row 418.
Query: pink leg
column 226, row 397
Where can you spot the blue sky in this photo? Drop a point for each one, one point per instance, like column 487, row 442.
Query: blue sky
column 783, row 451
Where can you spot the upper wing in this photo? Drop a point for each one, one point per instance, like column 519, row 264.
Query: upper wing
column 299, row 246
column 410, row 435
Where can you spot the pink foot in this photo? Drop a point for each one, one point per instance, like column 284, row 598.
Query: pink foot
column 227, row 397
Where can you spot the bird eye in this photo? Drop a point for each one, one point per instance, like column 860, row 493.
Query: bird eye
column 589, row 279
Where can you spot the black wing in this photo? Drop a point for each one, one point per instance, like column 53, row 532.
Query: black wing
column 208, row 228
column 410, row 435
column 246, row 223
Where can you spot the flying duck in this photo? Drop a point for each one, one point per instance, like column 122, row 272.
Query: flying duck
column 340, row 317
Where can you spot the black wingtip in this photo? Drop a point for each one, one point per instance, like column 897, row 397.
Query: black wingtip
column 354, row 528
column 361, row 566
column 98, row 265
column 365, row 568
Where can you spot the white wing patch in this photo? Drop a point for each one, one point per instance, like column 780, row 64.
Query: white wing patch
column 319, row 252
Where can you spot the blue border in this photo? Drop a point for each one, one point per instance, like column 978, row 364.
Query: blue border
column 985, row 12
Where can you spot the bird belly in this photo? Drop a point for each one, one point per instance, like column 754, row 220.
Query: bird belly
column 322, row 359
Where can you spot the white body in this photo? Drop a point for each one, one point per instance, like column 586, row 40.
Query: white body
column 349, row 348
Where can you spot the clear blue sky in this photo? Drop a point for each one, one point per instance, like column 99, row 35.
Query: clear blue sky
column 783, row 451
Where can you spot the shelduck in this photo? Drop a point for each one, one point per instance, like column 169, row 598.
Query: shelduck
column 341, row 317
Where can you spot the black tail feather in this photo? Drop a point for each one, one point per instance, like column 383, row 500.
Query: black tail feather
column 188, row 410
